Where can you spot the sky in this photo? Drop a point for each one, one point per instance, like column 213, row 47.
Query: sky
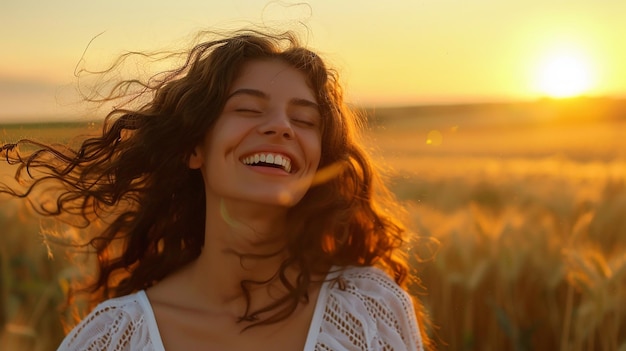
column 389, row 53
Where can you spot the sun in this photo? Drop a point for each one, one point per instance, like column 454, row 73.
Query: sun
column 563, row 74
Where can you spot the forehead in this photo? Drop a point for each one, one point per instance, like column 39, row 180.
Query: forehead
column 273, row 77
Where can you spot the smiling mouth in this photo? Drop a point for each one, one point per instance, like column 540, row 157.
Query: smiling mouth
column 267, row 159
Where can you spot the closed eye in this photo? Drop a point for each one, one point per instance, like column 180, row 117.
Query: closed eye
column 305, row 123
column 246, row 110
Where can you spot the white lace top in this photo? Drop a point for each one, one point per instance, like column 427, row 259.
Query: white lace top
column 358, row 308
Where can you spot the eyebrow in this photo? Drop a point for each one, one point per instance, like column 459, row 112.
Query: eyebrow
column 265, row 96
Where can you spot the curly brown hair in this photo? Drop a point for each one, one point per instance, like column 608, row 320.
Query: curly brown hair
column 137, row 169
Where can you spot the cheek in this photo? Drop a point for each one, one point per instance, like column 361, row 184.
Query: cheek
column 225, row 136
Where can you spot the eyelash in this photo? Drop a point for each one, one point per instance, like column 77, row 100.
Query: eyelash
column 247, row 110
column 297, row 120
column 304, row 122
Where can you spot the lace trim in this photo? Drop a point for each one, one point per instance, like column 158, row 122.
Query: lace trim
column 359, row 308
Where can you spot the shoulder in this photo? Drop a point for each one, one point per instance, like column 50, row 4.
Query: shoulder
column 372, row 286
column 369, row 280
column 114, row 324
column 366, row 309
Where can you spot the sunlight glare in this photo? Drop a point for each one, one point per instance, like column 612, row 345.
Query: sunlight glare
column 564, row 74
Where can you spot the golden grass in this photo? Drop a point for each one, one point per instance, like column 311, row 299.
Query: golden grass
column 530, row 224
column 518, row 218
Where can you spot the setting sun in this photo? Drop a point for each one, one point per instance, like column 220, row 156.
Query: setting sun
column 564, row 74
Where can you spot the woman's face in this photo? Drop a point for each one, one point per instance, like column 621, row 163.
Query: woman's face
column 265, row 147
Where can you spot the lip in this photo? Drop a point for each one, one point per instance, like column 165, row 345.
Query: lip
column 295, row 164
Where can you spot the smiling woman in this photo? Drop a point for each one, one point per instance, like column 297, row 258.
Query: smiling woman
column 238, row 207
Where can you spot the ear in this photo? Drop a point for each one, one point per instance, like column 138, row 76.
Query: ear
column 196, row 160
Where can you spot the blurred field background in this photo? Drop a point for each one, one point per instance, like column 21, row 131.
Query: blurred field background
column 518, row 212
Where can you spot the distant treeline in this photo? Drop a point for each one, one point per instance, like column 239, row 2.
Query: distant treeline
column 45, row 125
column 580, row 109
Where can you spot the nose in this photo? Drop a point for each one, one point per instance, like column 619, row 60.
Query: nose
column 277, row 124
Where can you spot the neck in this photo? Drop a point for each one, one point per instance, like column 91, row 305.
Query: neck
column 246, row 244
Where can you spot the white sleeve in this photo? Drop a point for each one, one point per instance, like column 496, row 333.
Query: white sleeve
column 369, row 311
column 402, row 313
column 114, row 325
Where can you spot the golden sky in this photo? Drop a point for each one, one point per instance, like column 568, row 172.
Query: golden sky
column 391, row 52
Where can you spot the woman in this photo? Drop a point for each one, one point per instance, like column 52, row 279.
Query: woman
column 241, row 210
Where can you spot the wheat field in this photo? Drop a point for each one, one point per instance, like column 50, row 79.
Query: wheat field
column 517, row 215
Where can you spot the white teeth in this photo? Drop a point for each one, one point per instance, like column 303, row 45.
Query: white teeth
column 280, row 160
